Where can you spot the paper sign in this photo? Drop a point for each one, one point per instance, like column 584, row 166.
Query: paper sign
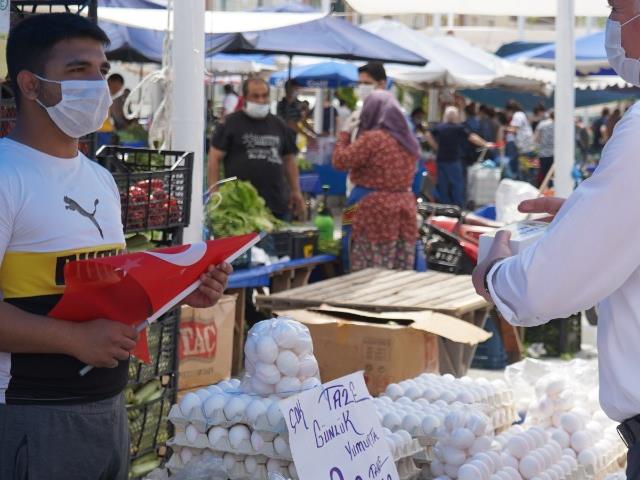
column 335, row 434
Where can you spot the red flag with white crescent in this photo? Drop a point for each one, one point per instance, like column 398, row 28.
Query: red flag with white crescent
column 131, row 288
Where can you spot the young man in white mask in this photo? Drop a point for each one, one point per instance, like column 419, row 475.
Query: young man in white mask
column 256, row 146
column 588, row 240
column 55, row 206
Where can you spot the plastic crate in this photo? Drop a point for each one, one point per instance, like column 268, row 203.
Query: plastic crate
column 162, row 338
column 277, row 244
column 559, row 337
column 304, row 244
column 490, row 355
column 149, row 427
column 155, row 186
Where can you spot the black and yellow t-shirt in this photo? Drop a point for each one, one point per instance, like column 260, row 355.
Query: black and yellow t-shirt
column 52, row 211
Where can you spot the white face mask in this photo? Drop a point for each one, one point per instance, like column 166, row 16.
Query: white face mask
column 364, row 90
column 627, row 68
column 84, row 106
column 257, row 110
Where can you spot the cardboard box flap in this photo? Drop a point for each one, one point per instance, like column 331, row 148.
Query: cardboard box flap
column 439, row 324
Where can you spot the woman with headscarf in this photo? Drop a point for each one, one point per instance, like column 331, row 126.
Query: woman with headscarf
column 381, row 208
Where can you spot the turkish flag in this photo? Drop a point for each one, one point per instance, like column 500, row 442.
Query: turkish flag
column 132, row 288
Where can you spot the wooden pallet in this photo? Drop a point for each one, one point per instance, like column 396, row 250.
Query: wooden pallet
column 390, row 290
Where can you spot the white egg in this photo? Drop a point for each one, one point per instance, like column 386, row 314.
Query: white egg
column 518, row 447
column 311, row 382
column 274, row 415
column 539, row 435
column 565, row 466
column 308, row 366
column 214, row 403
column 268, row 373
column 229, row 461
column 451, row 471
column 413, row 392
column 594, row 428
column 191, row 433
column 453, row 456
column 203, row 393
column 530, row 467
column 448, row 396
column 465, row 396
column 186, row 455
column 453, row 420
column 431, row 394
column 512, row 472
column 410, row 422
column 266, row 349
column 251, row 464
column 259, row 387
column 581, row 440
column 481, row 444
column 571, row 422
column 509, row 460
column 392, row 445
column 547, row 457
column 437, row 468
column 255, row 410
column 391, row 421
column 188, row 403
column 394, row 391
column 285, row 334
column 293, row 472
column 281, row 446
column 556, row 419
column 477, row 424
column 288, row 386
column 274, row 465
column 569, row 452
column 462, row 438
column 469, row 472
column 238, row 434
column 587, row 457
column 225, row 386
column 304, row 344
column 554, row 387
column 234, row 408
column 530, row 439
column 496, row 458
column 257, row 442
column 429, row 425
column 217, row 434
column 287, row 363
column 570, row 460
column 486, row 460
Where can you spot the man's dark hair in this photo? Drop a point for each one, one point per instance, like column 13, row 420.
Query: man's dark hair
column 116, row 77
column 228, row 89
column 375, row 70
column 539, row 108
column 606, row 112
column 31, row 40
column 247, row 82
column 417, row 111
column 513, row 106
column 471, row 110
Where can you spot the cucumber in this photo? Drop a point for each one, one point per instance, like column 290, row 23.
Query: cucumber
column 141, row 469
column 146, row 391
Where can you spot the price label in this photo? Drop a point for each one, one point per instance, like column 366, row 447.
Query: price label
column 335, row 434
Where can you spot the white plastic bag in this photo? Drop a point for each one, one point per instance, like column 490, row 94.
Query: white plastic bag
column 508, row 196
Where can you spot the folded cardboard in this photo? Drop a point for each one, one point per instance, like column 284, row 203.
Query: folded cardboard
column 388, row 346
column 206, row 344
column 523, row 234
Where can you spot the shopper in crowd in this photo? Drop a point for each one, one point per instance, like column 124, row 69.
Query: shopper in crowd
column 599, row 131
column 449, row 140
column 613, row 120
column 55, row 206
column 371, row 76
column 544, row 140
column 256, row 146
column 539, row 114
column 519, row 138
column 119, row 95
column 588, row 255
column 381, row 163
column 489, row 125
column 472, row 124
column 343, row 114
column 329, row 117
column 417, row 124
column 230, row 100
column 583, row 141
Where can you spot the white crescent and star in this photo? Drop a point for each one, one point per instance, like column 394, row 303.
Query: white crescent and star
column 190, row 256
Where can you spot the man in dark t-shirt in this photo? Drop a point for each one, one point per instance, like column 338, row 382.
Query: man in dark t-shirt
column 255, row 146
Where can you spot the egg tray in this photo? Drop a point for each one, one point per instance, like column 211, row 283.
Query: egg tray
column 223, row 445
column 238, row 473
column 407, row 469
column 614, row 466
column 218, row 419
column 409, row 450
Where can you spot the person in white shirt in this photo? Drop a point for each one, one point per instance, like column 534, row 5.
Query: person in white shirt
column 230, row 101
column 589, row 254
column 519, row 138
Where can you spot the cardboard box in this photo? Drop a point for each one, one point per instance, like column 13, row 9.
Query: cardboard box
column 389, row 347
column 205, row 345
column 523, row 234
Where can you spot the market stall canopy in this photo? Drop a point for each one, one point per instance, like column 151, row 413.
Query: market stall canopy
column 223, row 63
column 215, row 22
column 539, row 8
column 327, row 37
column 320, row 75
column 455, row 63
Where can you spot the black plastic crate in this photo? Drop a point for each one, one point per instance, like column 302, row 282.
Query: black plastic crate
column 559, row 337
column 149, row 426
column 154, row 185
column 162, row 338
column 490, row 355
column 304, row 244
column 278, row 244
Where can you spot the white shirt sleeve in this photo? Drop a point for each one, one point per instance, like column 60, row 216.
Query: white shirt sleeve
column 590, row 249
column 230, row 103
column 7, row 215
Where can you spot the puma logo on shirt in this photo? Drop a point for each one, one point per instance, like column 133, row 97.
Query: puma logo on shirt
column 75, row 207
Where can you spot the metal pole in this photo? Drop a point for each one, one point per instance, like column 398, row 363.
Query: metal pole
column 93, row 11
column 187, row 118
column 522, row 23
column 450, row 20
column 564, row 152
column 437, row 23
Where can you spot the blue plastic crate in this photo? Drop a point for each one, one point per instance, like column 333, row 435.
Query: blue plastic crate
column 490, row 355
column 310, row 183
column 488, row 212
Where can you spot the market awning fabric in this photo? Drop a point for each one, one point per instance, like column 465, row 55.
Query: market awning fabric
column 539, row 8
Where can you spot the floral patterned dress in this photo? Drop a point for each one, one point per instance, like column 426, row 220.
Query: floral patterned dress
column 384, row 224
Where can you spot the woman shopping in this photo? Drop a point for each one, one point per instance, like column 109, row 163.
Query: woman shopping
column 381, row 208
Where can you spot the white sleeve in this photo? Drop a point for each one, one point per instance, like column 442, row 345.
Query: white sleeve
column 7, row 216
column 590, row 249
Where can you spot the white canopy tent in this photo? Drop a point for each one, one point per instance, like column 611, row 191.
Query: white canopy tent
column 214, row 22
column 539, row 8
column 455, row 63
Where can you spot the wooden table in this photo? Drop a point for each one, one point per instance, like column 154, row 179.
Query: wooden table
column 389, row 290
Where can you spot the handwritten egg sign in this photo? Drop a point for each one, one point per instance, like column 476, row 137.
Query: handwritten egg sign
column 335, row 434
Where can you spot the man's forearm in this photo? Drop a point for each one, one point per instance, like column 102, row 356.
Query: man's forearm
column 291, row 173
column 22, row 332
column 213, row 166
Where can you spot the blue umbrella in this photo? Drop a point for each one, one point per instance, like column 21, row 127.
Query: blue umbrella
column 320, row 75
column 591, row 56
column 327, row 37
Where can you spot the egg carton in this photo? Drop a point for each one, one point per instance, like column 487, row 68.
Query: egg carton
column 407, row 469
column 409, row 450
column 613, row 466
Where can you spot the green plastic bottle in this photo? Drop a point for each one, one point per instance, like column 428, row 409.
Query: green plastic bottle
column 324, row 220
